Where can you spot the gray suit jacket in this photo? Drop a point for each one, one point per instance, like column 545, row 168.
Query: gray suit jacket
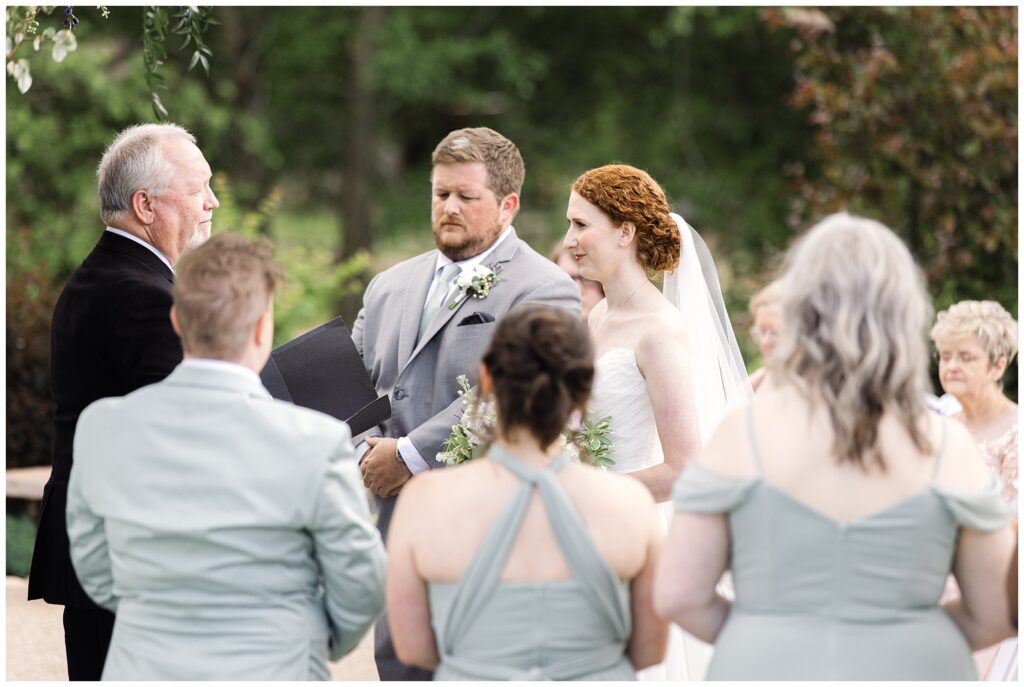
column 421, row 378
column 229, row 531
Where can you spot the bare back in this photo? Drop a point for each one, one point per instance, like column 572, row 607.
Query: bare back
column 456, row 508
column 793, row 444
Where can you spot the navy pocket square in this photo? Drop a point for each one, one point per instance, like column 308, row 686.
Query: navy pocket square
column 476, row 318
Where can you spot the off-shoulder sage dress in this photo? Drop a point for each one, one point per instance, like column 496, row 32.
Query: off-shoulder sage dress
column 818, row 599
column 575, row 629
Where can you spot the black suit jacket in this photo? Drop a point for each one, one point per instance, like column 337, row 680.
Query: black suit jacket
column 111, row 334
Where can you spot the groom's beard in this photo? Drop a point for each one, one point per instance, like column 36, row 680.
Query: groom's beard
column 460, row 244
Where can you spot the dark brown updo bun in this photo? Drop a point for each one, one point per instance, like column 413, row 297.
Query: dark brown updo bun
column 628, row 194
column 542, row 364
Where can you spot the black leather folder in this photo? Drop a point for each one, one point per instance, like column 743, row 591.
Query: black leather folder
column 322, row 370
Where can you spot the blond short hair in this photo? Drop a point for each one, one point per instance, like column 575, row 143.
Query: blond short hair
column 769, row 295
column 987, row 321
column 505, row 167
column 856, row 313
column 220, row 291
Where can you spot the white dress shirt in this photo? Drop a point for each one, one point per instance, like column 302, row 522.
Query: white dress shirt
column 153, row 249
column 413, row 460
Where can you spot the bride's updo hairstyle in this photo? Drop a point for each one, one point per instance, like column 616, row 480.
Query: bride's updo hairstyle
column 628, row 194
column 541, row 362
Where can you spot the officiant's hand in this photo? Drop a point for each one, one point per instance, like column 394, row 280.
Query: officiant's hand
column 382, row 473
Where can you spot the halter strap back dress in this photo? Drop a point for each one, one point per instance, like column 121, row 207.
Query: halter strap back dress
column 574, row 629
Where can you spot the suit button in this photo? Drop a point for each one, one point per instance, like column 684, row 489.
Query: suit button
column 399, row 394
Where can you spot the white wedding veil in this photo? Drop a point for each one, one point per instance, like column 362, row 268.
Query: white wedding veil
column 719, row 376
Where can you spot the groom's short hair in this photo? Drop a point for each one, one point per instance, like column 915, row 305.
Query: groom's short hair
column 505, row 167
column 220, row 290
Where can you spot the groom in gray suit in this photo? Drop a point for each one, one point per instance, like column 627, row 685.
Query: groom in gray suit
column 425, row 321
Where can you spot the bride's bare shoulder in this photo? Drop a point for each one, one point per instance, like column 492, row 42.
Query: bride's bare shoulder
column 664, row 327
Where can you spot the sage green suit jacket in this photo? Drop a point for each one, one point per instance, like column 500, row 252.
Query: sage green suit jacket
column 228, row 531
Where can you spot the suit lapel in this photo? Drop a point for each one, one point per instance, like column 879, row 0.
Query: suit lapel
column 412, row 305
column 502, row 254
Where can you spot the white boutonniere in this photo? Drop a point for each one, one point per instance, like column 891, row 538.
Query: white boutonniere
column 475, row 283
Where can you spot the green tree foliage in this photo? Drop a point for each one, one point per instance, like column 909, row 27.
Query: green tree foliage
column 319, row 123
column 21, row 536
column 914, row 113
column 158, row 24
column 31, row 296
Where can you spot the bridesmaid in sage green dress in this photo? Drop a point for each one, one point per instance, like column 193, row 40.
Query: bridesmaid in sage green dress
column 523, row 564
column 838, row 502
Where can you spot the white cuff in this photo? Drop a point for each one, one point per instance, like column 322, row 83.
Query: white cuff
column 413, row 460
column 361, row 448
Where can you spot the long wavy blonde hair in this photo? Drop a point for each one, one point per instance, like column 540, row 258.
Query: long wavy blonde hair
column 856, row 313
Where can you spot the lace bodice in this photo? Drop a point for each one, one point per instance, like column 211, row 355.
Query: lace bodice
column 620, row 391
column 998, row 445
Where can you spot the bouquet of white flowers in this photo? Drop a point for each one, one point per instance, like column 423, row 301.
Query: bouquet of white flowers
column 591, row 443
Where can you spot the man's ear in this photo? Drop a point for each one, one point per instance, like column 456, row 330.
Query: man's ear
column 142, row 206
column 509, row 207
column 174, row 322
column 263, row 329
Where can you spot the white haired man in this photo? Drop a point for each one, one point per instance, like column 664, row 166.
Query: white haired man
column 111, row 334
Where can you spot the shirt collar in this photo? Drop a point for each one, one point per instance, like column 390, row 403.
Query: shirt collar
column 150, row 246
column 222, row 365
column 468, row 263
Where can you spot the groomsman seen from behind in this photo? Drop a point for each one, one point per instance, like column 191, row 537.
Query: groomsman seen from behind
column 228, row 530
column 111, row 334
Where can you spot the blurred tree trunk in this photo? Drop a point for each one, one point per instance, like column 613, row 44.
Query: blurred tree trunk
column 360, row 140
column 242, row 55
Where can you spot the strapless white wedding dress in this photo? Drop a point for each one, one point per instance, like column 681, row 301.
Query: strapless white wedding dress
column 620, row 391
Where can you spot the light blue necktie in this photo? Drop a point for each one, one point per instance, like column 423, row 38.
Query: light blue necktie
column 437, row 299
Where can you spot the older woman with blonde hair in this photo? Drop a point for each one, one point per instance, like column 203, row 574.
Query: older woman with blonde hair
column 837, row 500
column 975, row 341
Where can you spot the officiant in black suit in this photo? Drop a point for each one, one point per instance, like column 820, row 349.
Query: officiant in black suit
column 111, row 334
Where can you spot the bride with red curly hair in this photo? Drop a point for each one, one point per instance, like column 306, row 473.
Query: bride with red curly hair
column 667, row 365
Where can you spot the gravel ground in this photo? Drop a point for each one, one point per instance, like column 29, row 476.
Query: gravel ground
column 35, row 642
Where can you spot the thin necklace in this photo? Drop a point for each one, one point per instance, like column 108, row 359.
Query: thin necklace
column 612, row 312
